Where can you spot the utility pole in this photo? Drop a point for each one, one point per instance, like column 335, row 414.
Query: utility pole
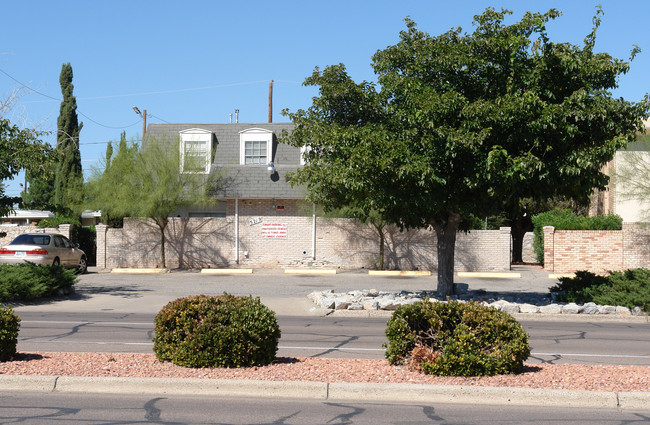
column 144, row 119
column 271, row 101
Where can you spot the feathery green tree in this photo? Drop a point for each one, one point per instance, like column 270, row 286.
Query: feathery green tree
column 148, row 183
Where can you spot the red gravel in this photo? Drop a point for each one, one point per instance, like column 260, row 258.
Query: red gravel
column 571, row 377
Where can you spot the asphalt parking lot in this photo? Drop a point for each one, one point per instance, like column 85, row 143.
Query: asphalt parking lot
column 101, row 290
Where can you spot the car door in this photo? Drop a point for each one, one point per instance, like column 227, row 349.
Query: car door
column 63, row 249
column 73, row 252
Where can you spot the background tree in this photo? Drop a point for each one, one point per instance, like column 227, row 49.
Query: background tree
column 19, row 149
column 147, row 183
column 40, row 187
column 68, row 181
column 103, row 184
column 464, row 124
column 109, row 154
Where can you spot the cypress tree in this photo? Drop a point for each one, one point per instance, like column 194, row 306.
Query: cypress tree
column 68, row 182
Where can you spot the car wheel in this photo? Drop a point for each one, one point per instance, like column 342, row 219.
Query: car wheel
column 83, row 265
column 56, row 262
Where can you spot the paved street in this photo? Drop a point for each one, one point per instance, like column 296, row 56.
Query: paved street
column 593, row 342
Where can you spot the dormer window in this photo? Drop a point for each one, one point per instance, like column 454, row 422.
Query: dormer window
column 255, row 146
column 196, row 151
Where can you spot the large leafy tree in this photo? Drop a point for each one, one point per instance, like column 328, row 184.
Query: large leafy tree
column 68, row 180
column 465, row 124
column 19, row 149
column 148, row 183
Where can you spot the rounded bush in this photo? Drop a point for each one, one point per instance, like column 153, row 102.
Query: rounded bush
column 221, row 331
column 9, row 325
column 456, row 339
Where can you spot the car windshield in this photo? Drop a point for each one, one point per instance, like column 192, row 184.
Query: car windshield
column 31, row 240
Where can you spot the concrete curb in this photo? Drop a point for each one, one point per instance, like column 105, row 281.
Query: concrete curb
column 370, row 392
column 34, row 383
column 472, row 395
column 193, row 386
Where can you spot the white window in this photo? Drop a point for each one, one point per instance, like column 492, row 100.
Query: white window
column 255, row 146
column 196, row 151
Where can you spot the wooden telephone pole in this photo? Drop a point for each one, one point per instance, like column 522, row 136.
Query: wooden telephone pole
column 271, row 101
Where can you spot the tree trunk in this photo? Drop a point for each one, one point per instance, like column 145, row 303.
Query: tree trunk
column 446, row 234
column 379, row 227
column 162, row 248
column 162, row 225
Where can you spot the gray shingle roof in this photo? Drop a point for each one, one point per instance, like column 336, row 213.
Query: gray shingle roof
column 242, row 181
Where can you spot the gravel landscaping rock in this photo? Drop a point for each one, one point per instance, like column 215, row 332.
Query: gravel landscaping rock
column 528, row 303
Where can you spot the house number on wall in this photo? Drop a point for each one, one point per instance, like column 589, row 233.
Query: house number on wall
column 255, row 220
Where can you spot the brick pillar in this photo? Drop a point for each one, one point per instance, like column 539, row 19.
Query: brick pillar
column 505, row 236
column 549, row 248
column 65, row 230
column 101, row 230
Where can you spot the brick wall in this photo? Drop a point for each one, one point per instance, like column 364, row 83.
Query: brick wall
column 636, row 246
column 598, row 251
column 13, row 231
column 274, row 234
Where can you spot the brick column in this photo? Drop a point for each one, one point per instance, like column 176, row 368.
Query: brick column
column 65, row 230
column 101, row 230
column 549, row 248
column 505, row 236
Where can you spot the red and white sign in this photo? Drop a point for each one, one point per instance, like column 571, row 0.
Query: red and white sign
column 274, row 230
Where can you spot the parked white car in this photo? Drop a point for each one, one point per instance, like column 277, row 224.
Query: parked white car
column 44, row 249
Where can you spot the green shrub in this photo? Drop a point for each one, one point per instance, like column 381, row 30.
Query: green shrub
column 569, row 220
column 9, row 325
column 630, row 289
column 57, row 220
column 222, row 331
column 457, row 339
column 25, row 282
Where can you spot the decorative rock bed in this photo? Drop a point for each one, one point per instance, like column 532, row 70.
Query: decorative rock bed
column 372, row 299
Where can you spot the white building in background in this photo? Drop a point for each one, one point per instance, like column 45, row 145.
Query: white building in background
column 25, row 217
column 628, row 171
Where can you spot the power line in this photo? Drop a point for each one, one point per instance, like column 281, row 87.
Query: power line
column 25, row 85
column 107, row 126
column 243, row 83
column 59, row 100
column 158, row 118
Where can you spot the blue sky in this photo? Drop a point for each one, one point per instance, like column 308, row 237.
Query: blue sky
column 198, row 61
